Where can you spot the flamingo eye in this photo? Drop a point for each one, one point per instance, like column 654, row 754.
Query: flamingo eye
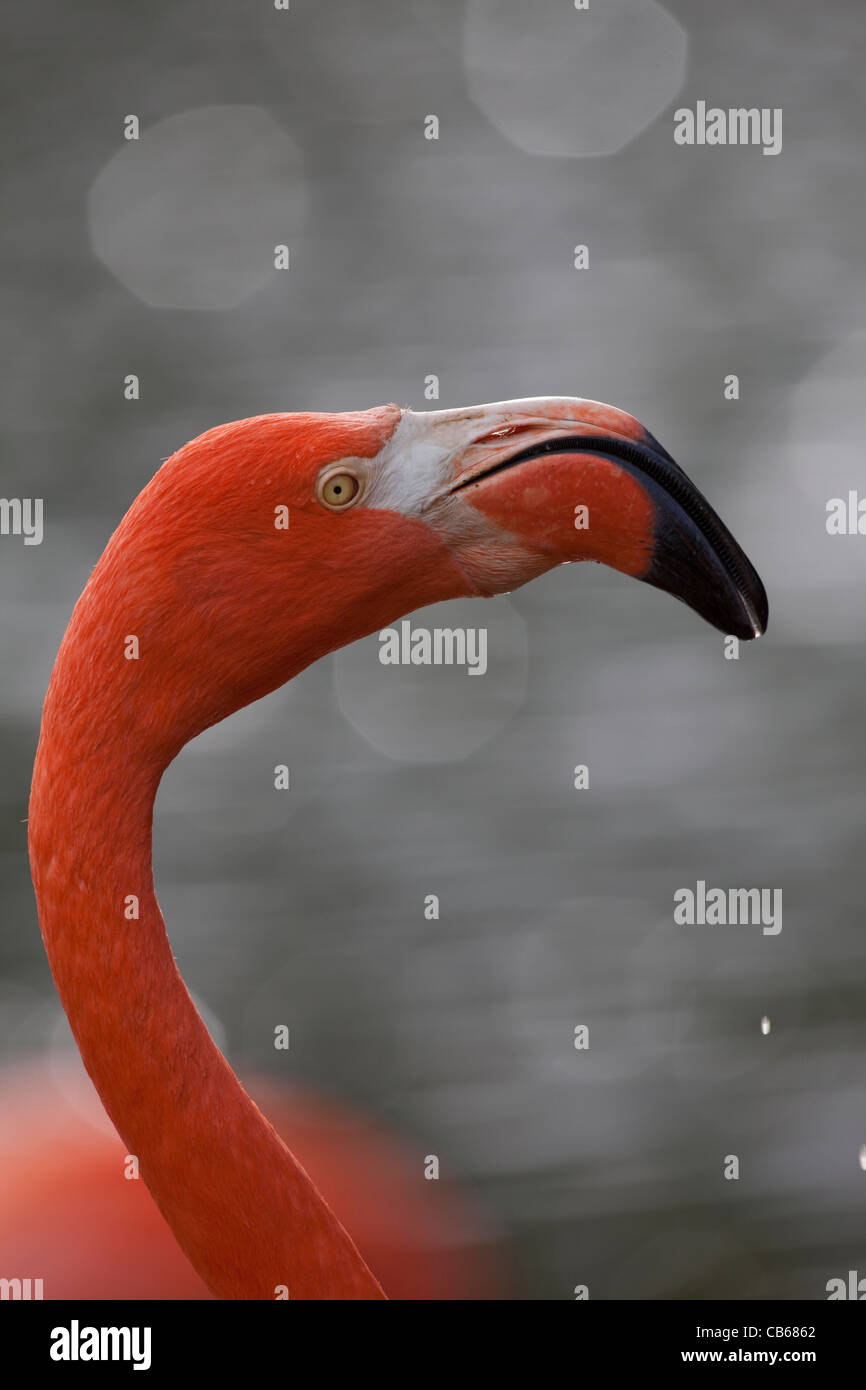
column 339, row 490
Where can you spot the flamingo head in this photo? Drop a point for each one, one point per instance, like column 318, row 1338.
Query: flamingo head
column 483, row 499
column 266, row 543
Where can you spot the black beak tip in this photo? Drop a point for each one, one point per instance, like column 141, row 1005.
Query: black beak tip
column 713, row 577
column 696, row 558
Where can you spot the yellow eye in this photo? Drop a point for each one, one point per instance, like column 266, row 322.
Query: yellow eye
column 339, row 490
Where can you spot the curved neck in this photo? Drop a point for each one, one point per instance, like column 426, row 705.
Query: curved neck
column 241, row 1207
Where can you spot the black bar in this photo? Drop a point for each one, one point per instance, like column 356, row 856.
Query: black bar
column 225, row 1339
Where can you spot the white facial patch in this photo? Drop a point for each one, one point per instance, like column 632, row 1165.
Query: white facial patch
column 415, row 464
column 409, row 469
column 415, row 467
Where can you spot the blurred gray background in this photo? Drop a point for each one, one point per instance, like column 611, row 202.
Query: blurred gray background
column 411, row 257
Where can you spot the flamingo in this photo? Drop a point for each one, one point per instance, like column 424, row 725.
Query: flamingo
column 71, row 1216
column 254, row 550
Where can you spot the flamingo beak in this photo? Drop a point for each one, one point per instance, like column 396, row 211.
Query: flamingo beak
column 563, row 479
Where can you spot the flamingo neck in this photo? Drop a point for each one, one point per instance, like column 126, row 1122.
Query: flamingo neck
column 241, row 1207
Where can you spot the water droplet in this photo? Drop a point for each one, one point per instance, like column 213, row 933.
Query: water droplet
column 863, row 1157
column 765, row 1025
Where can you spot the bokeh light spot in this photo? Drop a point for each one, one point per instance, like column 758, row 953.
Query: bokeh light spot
column 560, row 81
column 187, row 217
column 437, row 713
